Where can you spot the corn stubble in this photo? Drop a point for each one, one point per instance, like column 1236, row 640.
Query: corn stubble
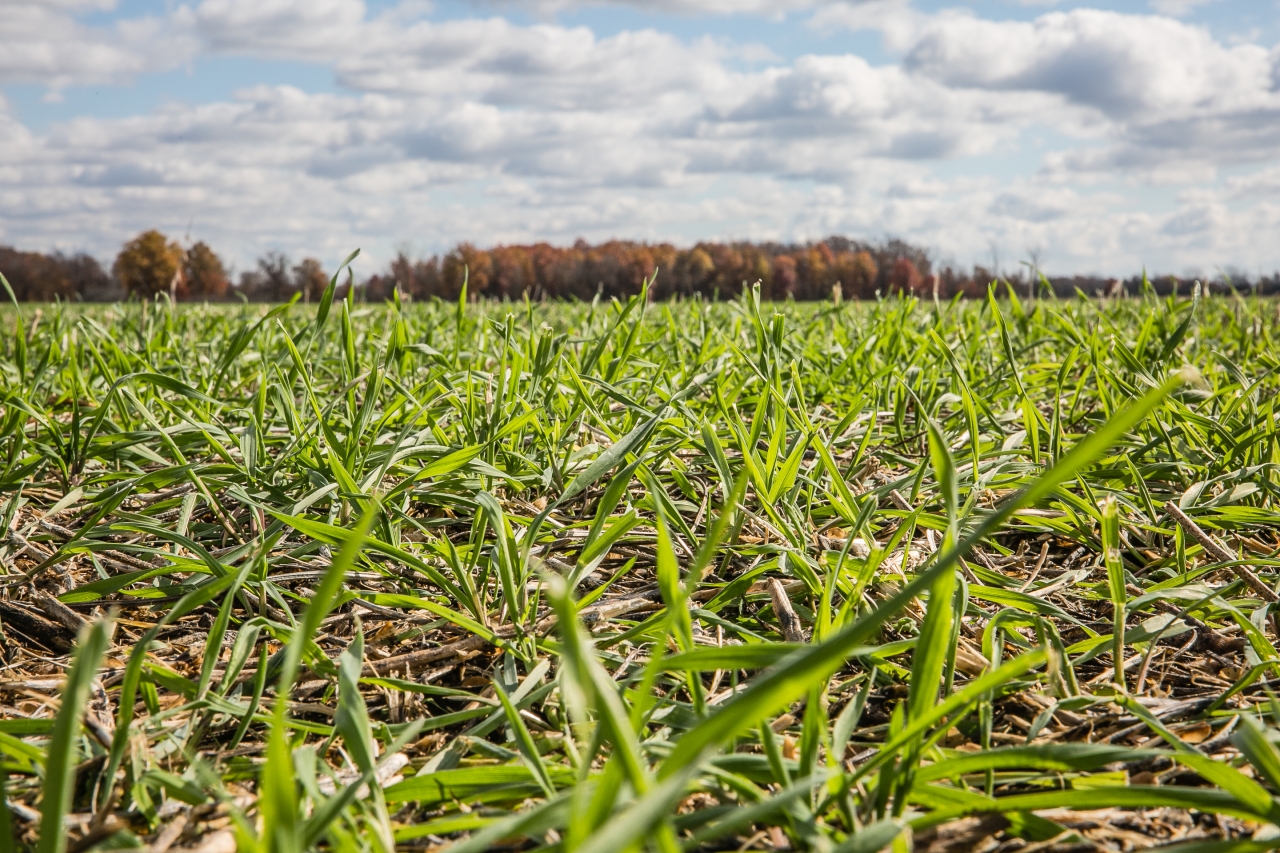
column 626, row 576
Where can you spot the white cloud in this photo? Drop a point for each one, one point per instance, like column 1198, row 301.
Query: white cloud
column 1178, row 8
column 896, row 20
column 1168, row 96
column 68, row 5
column 771, row 8
column 317, row 29
column 1130, row 68
column 44, row 43
column 1258, row 184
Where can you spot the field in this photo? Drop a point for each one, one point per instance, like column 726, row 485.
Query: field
column 900, row 575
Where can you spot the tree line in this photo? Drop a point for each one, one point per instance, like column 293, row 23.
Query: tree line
column 151, row 266
column 619, row 267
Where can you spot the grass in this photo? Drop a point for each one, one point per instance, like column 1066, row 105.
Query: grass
column 636, row 576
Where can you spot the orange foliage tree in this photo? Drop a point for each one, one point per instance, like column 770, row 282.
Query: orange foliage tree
column 204, row 276
column 905, row 277
column 149, row 265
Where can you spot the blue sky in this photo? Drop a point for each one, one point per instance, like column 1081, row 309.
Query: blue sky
column 1101, row 137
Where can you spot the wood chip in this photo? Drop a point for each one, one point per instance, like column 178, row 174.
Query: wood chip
column 792, row 628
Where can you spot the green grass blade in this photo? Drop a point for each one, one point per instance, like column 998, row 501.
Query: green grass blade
column 59, row 774
column 1115, row 584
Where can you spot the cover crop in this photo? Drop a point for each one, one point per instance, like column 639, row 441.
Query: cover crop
column 623, row 576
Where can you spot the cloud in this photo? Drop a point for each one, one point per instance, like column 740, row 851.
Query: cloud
column 69, row 5
column 321, row 174
column 1163, row 92
column 1260, row 183
column 1178, row 8
column 1200, row 220
column 545, row 66
column 770, row 8
column 45, row 44
column 1128, row 67
column 897, row 21
column 317, row 29
column 825, row 117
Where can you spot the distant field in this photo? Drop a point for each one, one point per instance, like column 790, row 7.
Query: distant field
column 642, row 576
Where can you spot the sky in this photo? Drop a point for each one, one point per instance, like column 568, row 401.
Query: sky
column 1089, row 137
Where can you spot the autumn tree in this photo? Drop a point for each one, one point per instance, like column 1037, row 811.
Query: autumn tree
column 512, row 272
column 149, row 264
column 693, row 273
column 310, row 280
column 469, row 264
column 616, row 269
column 785, row 273
column 32, row 276
column 203, row 274
column 418, row 279
column 904, row 277
column 856, row 272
